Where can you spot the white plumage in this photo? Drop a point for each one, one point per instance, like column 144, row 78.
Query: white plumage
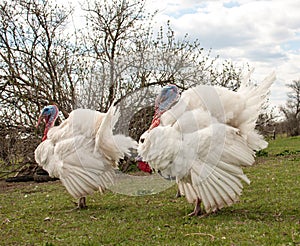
column 205, row 139
column 83, row 152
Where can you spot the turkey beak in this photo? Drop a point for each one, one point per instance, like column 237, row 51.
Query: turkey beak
column 45, row 118
column 39, row 120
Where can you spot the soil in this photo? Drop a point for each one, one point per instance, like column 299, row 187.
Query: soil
column 8, row 186
column 24, row 178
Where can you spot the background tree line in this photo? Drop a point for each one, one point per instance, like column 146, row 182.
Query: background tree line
column 45, row 59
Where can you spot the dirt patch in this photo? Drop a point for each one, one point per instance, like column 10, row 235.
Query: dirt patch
column 12, row 186
column 8, row 186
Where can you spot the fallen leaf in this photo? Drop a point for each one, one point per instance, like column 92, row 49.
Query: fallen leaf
column 6, row 221
column 47, row 219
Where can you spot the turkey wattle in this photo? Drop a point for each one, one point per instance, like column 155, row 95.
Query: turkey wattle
column 168, row 96
column 205, row 139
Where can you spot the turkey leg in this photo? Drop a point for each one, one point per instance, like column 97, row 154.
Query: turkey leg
column 82, row 203
column 197, row 210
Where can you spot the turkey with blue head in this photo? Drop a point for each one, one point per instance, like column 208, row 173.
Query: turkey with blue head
column 49, row 115
column 83, row 152
column 204, row 139
column 168, row 96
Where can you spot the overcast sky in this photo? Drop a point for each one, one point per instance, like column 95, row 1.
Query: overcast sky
column 264, row 34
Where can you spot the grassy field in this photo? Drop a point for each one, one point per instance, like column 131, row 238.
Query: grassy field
column 268, row 213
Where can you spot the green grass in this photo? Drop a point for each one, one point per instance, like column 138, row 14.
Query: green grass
column 281, row 144
column 268, row 213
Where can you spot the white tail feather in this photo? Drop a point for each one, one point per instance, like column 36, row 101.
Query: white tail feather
column 114, row 147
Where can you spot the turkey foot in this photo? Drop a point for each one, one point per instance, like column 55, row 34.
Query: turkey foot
column 82, row 203
column 178, row 194
column 197, row 210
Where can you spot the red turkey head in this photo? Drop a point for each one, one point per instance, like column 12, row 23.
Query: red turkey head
column 168, row 96
column 49, row 115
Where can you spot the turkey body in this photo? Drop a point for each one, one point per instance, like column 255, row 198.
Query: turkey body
column 205, row 139
column 83, row 152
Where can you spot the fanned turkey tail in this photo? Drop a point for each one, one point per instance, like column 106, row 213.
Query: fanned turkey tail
column 255, row 97
column 217, row 179
column 114, row 147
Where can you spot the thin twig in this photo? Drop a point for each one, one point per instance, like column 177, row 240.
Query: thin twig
column 212, row 237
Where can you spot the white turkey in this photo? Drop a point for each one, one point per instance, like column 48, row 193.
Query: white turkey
column 82, row 151
column 204, row 138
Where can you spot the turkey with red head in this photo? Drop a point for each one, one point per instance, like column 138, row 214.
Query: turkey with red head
column 82, row 151
column 204, row 138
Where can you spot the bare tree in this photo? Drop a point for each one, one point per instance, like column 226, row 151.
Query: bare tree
column 292, row 109
column 36, row 68
column 162, row 58
column 266, row 123
column 111, row 24
column 124, row 54
column 36, row 59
